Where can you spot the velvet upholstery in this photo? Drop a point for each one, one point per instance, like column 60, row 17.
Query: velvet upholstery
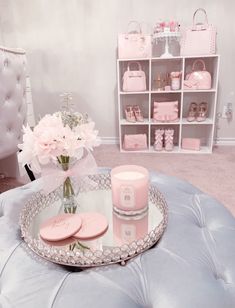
column 193, row 265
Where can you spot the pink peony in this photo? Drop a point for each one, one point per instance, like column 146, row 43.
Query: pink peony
column 52, row 139
column 88, row 135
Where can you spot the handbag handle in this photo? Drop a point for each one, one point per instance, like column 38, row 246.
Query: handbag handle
column 136, row 62
column 198, row 61
column 205, row 21
column 136, row 23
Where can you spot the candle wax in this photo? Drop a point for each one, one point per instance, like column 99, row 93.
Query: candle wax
column 129, row 175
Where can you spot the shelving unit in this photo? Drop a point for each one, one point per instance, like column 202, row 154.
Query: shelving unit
column 182, row 128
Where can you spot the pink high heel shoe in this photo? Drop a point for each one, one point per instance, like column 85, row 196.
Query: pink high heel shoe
column 130, row 116
column 138, row 114
column 202, row 112
column 169, row 145
column 192, row 112
column 158, row 139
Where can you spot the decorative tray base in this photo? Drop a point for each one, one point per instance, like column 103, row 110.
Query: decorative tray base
column 126, row 237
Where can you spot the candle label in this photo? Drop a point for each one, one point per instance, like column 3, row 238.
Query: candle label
column 127, row 196
column 128, row 233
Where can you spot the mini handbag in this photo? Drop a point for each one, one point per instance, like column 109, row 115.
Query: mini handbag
column 135, row 142
column 134, row 81
column 191, row 144
column 134, row 44
column 198, row 79
column 165, row 111
column 199, row 39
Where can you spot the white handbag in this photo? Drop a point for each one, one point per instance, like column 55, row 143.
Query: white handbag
column 134, row 81
column 134, row 44
column 200, row 39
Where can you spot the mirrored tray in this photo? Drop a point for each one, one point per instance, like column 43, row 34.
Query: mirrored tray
column 126, row 237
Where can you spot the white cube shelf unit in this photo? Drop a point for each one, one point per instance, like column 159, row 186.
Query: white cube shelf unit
column 182, row 128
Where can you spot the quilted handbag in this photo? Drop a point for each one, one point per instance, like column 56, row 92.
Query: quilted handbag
column 165, row 111
column 200, row 39
column 198, row 79
column 134, row 44
column 134, row 81
column 135, row 142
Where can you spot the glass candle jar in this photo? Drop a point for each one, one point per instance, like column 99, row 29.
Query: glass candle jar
column 130, row 186
column 175, row 83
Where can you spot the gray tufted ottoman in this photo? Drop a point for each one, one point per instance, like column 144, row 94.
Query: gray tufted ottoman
column 193, row 266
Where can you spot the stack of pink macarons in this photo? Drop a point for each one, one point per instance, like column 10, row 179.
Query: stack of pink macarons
column 64, row 229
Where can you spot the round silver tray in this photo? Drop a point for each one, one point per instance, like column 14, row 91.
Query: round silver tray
column 126, row 237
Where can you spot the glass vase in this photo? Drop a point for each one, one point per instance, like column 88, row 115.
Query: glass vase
column 69, row 202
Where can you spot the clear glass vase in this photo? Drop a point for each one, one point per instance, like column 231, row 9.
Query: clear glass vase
column 69, row 201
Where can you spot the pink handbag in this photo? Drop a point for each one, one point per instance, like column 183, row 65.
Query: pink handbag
column 135, row 142
column 200, row 39
column 165, row 111
column 134, row 81
column 134, row 44
column 198, row 79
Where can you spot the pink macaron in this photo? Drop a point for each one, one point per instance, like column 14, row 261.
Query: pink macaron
column 60, row 227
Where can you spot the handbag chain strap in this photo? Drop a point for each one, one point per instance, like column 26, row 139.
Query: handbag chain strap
column 198, row 61
column 194, row 17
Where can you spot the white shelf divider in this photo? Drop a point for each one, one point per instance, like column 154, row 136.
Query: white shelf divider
column 208, row 121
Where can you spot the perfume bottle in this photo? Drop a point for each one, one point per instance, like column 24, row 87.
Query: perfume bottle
column 159, row 83
column 167, row 86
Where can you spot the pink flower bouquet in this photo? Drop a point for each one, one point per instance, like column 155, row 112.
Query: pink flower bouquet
column 60, row 140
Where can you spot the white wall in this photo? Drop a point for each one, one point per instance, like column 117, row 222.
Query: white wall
column 71, row 46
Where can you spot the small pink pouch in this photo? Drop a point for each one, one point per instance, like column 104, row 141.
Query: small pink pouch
column 191, row 144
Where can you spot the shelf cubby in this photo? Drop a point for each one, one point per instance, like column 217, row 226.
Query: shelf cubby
column 202, row 132
column 198, row 98
column 133, row 66
column 164, row 127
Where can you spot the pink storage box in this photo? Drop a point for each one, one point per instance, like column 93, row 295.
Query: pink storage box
column 191, row 144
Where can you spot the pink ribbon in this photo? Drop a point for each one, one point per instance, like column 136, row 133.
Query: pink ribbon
column 52, row 176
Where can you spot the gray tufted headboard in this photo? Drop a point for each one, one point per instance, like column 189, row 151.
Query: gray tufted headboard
column 13, row 106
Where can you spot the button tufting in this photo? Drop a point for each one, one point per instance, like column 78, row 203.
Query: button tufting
column 200, row 224
column 6, row 62
column 8, row 96
column 219, row 276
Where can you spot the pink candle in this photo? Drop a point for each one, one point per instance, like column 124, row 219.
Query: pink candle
column 130, row 185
